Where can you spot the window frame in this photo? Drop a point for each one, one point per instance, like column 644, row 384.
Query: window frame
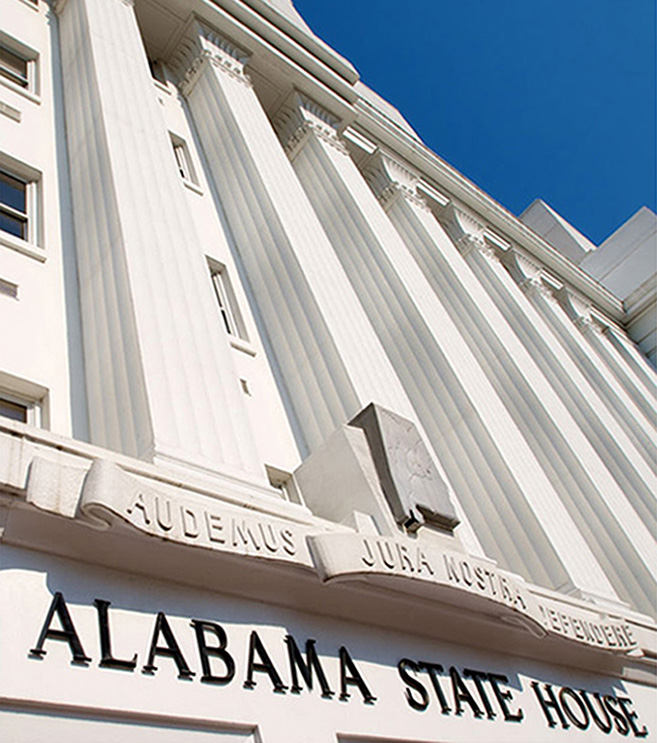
column 32, row 215
column 33, row 397
column 233, row 321
column 183, row 160
column 33, row 408
column 31, row 87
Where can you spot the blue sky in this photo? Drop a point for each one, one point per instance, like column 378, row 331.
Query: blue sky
column 527, row 98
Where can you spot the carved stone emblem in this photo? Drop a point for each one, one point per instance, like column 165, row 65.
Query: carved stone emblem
column 409, row 477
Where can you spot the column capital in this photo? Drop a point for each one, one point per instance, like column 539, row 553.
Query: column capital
column 299, row 118
column 533, row 286
column 462, row 226
column 575, row 306
column 520, row 267
column 202, row 45
column 468, row 243
column 391, row 180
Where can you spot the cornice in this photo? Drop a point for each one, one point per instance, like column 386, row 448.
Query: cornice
column 261, row 15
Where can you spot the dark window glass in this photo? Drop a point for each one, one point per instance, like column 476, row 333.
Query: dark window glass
column 14, row 225
column 12, row 192
column 13, row 205
column 13, row 410
column 13, row 67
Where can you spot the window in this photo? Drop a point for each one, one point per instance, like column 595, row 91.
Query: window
column 20, row 409
column 157, row 71
column 23, row 401
column 17, row 65
column 228, row 308
column 13, row 67
column 183, row 161
column 16, row 411
column 13, row 205
column 18, row 200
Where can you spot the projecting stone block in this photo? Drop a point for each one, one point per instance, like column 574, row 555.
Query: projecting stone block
column 409, row 478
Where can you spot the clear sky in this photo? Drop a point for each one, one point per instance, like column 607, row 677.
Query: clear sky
column 527, row 98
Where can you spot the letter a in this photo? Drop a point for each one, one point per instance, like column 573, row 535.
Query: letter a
column 67, row 633
column 353, row 678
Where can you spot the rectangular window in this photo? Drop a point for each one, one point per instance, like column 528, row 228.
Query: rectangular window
column 18, row 200
column 157, row 71
column 20, row 409
column 13, row 67
column 23, row 401
column 183, row 160
column 230, row 314
column 18, row 66
column 16, row 411
column 13, row 205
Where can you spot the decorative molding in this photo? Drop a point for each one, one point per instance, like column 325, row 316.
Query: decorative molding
column 390, row 180
column 467, row 243
column 194, row 72
column 362, row 142
column 429, row 192
column 201, row 46
column 463, row 227
column 587, row 325
column 576, row 307
column 520, row 267
column 496, row 240
column 389, row 194
column 534, row 287
column 9, row 111
column 299, row 118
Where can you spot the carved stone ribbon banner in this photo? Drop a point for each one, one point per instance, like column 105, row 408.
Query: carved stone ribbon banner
column 105, row 495
column 109, row 493
column 458, row 579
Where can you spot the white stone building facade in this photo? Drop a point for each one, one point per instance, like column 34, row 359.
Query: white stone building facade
column 304, row 437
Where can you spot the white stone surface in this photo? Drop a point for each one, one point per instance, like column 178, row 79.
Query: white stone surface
column 519, row 368
column 435, row 363
column 557, row 231
column 151, row 336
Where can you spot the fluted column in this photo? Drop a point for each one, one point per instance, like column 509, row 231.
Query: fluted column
column 161, row 380
column 570, row 355
column 599, row 358
column 635, row 360
column 631, row 368
column 506, row 493
column 585, row 336
column 575, row 466
column 569, row 362
column 331, row 360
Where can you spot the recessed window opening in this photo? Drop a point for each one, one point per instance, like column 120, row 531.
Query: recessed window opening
column 15, row 411
column 18, row 64
column 157, row 70
column 183, row 160
column 14, row 67
column 21, row 409
column 14, row 205
column 228, row 308
column 19, row 200
column 23, row 401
